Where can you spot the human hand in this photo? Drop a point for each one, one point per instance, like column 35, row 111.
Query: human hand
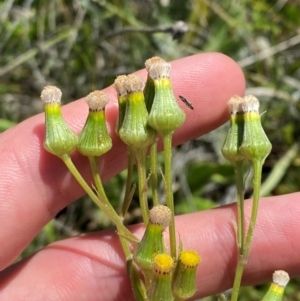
column 36, row 185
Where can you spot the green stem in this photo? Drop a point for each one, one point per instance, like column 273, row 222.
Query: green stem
column 167, row 141
column 153, row 166
column 139, row 291
column 140, row 156
column 125, row 247
column 257, row 167
column 137, row 284
column 240, row 205
column 128, row 188
column 103, row 197
column 105, row 207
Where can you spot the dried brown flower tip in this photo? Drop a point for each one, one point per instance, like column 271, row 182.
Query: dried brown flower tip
column 119, row 85
column 153, row 60
column 281, row 278
column 250, row 104
column 97, row 100
column 159, row 70
column 134, row 83
column 51, row 94
column 235, row 104
column 160, row 215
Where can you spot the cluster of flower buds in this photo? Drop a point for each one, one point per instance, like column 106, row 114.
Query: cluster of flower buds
column 143, row 109
column 246, row 139
column 60, row 140
column 144, row 112
column 166, row 278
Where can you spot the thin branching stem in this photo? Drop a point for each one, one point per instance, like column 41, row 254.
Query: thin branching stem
column 257, row 167
column 240, row 205
column 140, row 156
column 128, row 187
column 101, row 192
column 153, row 166
column 105, row 207
column 167, row 141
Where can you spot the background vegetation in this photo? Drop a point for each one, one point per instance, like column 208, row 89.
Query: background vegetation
column 82, row 45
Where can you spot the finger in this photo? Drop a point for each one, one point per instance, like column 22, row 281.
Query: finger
column 92, row 267
column 35, row 185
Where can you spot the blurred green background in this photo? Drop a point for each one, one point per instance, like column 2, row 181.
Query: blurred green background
column 83, row 45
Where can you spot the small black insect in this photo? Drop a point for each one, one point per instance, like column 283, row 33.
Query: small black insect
column 186, row 102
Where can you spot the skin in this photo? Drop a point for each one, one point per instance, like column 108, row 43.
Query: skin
column 35, row 185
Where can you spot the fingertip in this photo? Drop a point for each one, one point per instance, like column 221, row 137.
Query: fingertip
column 207, row 80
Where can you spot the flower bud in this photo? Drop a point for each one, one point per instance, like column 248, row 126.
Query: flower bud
column 230, row 149
column 165, row 115
column 276, row 290
column 59, row 138
column 184, row 282
column 160, row 215
column 160, row 285
column 94, row 139
column 255, row 145
column 135, row 131
column 152, row 241
column 122, row 99
column 149, row 90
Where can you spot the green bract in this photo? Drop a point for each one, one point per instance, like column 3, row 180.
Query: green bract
column 94, row 139
column 135, row 131
column 230, row 149
column 276, row 290
column 184, row 282
column 152, row 242
column 122, row 100
column 59, row 138
column 149, row 91
column 255, row 144
column 160, row 286
column 165, row 115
